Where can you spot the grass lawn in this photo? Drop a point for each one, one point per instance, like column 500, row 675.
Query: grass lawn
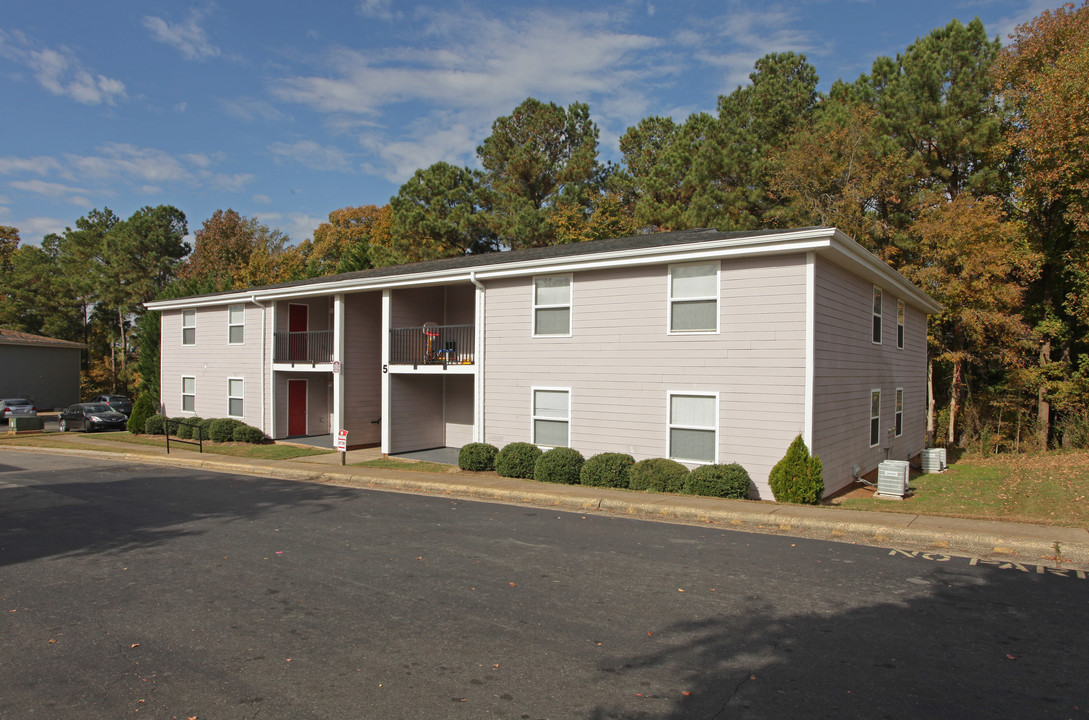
column 146, row 442
column 389, row 463
column 1046, row 488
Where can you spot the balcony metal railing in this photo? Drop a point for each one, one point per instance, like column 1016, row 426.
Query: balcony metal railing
column 432, row 345
column 310, row 348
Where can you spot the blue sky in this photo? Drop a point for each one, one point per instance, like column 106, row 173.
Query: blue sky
column 288, row 110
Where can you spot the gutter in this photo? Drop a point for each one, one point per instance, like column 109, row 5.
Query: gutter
column 478, row 385
column 264, row 354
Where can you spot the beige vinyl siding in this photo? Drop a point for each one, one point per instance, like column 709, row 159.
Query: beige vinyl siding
column 417, row 422
column 458, row 413
column 210, row 362
column 363, row 368
column 848, row 365
column 621, row 363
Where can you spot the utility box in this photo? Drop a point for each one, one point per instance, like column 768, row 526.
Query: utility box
column 892, row 478
column 26, row 424
column 933, row 460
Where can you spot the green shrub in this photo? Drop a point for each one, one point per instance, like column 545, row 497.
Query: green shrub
column 797, row 477
column 517, row 460
column 658, row 475
column 222, row 429
column 559, row 465
column 724, row 481
column 248, row 434
column 607, row 470
column 142, row 409
column 477, row 457
column 185, row 428
column 154, row 424
column 170, row 425
column 206, row 428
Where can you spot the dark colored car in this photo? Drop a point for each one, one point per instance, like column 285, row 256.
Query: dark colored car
column 120, row 403
column 90, row 417
column 17, row 407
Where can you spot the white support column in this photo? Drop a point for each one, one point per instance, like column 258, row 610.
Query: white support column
column 386, row 421
column 338, row 359
column 810, row 348
column 271, row 379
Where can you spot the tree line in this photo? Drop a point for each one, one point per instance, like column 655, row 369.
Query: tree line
column 960, row 163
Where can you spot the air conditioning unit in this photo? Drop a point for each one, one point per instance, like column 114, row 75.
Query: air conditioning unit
column 933, row 460
column 892, row 478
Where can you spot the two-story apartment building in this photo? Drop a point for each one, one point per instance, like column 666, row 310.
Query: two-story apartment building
column 700, row 345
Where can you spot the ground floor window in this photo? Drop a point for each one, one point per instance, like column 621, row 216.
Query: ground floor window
column 875, row 418
column 899, row 412
column 552, row 417
column 235, row 397
column 693, row 427
column 189, row 394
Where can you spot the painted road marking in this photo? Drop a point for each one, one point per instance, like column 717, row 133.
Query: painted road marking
column 1000, row 564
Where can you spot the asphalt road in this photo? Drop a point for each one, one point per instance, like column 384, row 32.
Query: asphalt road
column 129, row 591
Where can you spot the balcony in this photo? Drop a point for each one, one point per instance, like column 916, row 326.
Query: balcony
column 303, row 348
column 432, row 344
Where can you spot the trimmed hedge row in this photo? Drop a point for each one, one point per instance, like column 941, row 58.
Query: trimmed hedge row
column 616, row 470
column 214, row 429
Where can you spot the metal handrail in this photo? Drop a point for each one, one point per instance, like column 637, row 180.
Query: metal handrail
column 311, row 347
column 199, row 442
column 433, row 345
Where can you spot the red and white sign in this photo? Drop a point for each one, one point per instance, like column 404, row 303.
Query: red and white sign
column 336, row 367
column 342, row 441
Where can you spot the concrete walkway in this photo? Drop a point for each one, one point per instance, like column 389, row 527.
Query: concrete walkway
column 990, row 540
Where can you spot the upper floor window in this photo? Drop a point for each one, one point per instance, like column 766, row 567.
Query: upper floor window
column 236, row 324
column 876, row 315
column 552, row 417
column 693, row 427
column 189, row 327
column 693, row 298
column 552, row 305
column 900, row 324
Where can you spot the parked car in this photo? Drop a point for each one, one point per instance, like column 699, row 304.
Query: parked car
column 120, row 403
column 17, row 407
column 90, row 417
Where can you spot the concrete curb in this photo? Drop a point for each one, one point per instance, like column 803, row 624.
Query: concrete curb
column 1012, row 542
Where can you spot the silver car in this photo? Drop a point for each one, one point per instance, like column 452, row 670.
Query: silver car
column 17, row 407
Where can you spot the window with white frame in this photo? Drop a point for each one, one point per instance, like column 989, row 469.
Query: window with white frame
column 876, row 315
column 693, row 298
column 899, row 412
column 189, row 394
column 552, row 417
column 189, row 327
column 236, row 324
column 875, row 418
column 552, row 305
column 236, row 388
column 693, row 427
column 900, row 324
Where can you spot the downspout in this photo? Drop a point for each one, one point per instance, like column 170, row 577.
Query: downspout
column 264, row 352
column 478, row 411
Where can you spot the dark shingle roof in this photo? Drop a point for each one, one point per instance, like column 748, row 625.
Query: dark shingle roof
column 17, row 337
column 634, row 242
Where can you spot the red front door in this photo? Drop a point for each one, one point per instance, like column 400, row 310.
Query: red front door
column 297, row 327
column 296, row 407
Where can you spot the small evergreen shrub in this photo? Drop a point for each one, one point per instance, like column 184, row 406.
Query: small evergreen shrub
column 154, row 424
column 248, row 434
column 658, row 475
column 222, row 430
column 559, row 465
column 477, row 457
column 724, row 481
column 170, row 425
column 607, row 470
column 517, row 460
column 797, row 477
column 142, row 409
column 186, row 429
column 206, row 428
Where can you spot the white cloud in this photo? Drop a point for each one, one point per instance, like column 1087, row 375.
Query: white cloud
column 40, row 165
column 33, row 229
column 1006, row 26
column 187, row 37
column 377, row 9
column 73, row 195
column 180, row 107
column 312, row 155
column 297, row 226
column 250, row 109
column 262, row 199
column 60, row 72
